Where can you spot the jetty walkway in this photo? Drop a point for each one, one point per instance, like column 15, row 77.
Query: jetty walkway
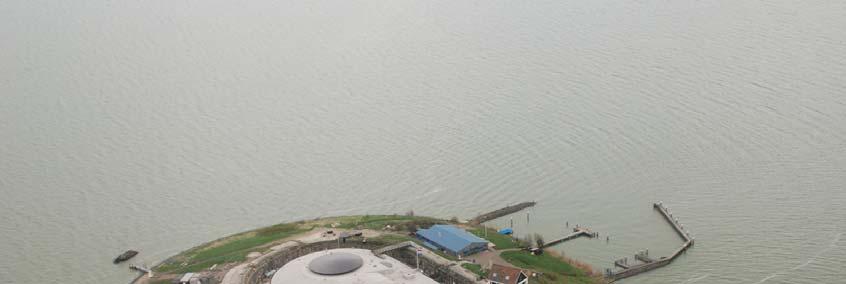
column 577, row 232
column 648, row 263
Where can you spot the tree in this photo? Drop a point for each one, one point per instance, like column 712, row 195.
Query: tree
column 525, row 242
column 539, row 240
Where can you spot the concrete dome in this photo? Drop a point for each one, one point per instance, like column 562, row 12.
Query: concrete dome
column 347, row 266
column 335, row 264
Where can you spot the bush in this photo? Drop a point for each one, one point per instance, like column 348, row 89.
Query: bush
column 539, row 240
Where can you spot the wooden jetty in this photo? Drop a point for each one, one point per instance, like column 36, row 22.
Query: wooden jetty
column 577, row 232
column 649, row 263
column 501, row 212
column 644, row 258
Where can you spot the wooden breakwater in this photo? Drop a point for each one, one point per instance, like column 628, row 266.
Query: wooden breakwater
column 577, row 232
column 649, row 263
column 501, row 212
column 673, row 222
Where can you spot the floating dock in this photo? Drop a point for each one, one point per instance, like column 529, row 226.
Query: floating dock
column 650, row 263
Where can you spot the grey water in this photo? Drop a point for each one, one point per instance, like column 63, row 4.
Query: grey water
column 160, row 125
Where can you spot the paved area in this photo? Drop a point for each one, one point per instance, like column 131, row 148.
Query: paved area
column 486, row 258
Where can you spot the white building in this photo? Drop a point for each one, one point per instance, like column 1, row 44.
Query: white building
column 347, row 266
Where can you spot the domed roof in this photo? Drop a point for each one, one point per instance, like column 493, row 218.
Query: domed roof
column 335, row 264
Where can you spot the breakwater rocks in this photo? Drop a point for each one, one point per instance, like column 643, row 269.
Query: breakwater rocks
column 501, row 212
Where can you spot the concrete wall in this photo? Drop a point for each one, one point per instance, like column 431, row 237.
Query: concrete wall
column 255, row 274
column 437, row 270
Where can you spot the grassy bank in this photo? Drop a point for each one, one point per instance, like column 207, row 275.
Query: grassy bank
column 236, row 247
column 230, row 249
column 555, row 269
column 475, row 268
column 501, row 241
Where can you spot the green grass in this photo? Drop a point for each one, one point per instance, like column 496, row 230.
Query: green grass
column 554, row 269
column 378, row 222
column 230, row 249
column 236, row 247
column 501, row 241
column 475, row 268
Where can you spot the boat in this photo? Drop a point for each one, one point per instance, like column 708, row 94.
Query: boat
column 125, row 256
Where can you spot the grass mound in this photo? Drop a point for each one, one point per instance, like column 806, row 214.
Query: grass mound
column 554, row 268
column 501, row 241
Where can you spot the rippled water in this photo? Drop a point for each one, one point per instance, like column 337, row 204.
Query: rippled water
column 161, row 125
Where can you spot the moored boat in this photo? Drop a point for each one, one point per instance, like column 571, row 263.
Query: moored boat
column 125, row 256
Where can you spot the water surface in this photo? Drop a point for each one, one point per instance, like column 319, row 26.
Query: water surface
column 161, row 125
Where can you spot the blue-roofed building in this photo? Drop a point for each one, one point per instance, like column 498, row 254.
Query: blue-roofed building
column 452, row 240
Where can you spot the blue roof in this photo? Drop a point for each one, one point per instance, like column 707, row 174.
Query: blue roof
column 449, row 237
column 506, row 231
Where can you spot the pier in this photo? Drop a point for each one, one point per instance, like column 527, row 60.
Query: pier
column 143, row 269
column 501, row 212
column 648, row 263
column 577, row 232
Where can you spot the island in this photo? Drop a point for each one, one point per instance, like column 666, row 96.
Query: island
column 400, row 248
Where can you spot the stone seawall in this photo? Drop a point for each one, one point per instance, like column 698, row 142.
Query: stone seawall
column 501, row 212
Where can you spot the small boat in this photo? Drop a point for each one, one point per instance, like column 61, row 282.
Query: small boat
column 125, row 256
